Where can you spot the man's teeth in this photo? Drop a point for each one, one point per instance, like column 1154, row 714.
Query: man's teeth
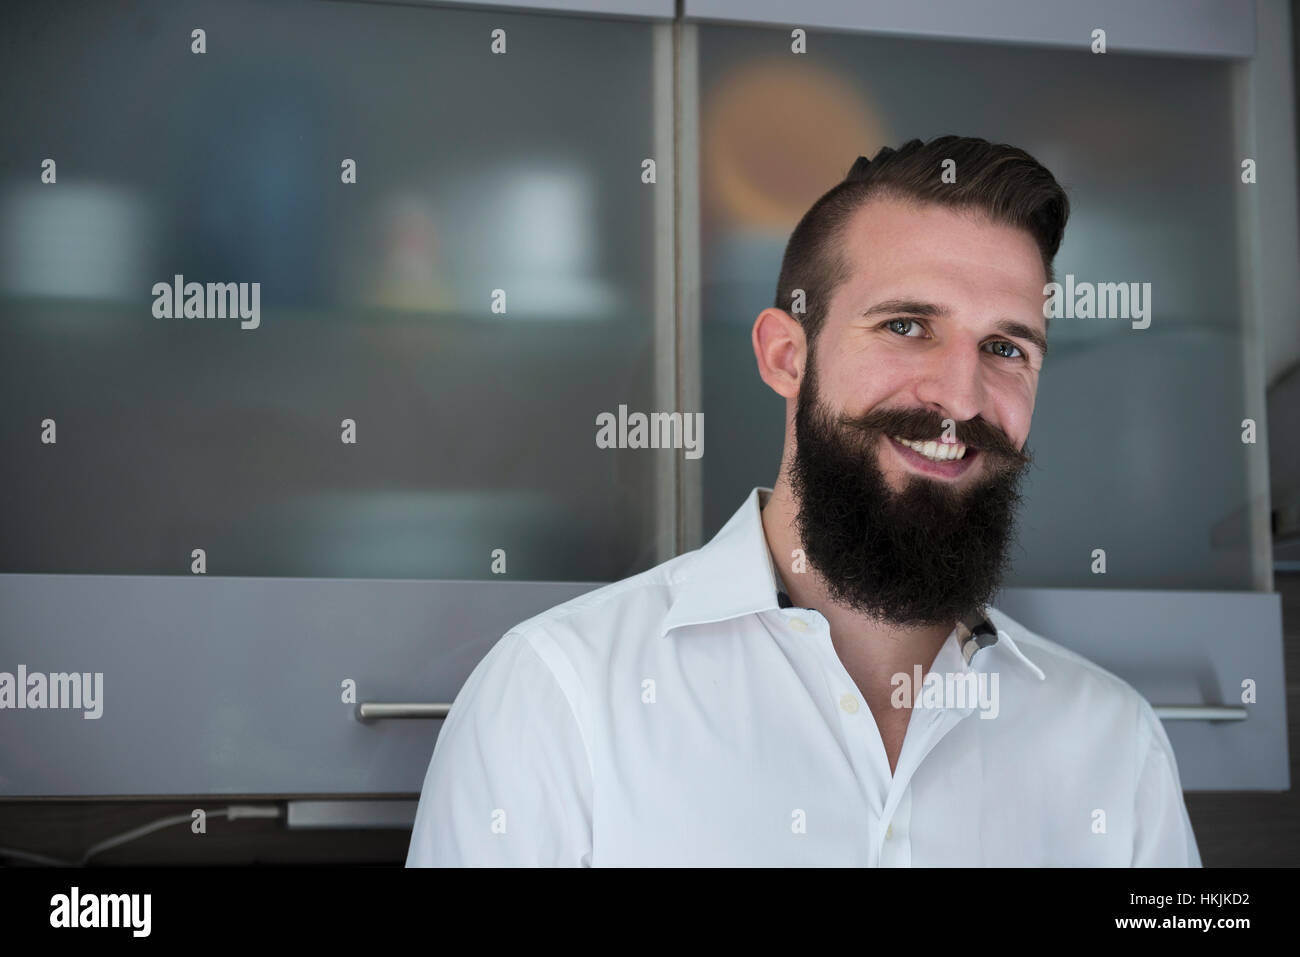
column 939, row 451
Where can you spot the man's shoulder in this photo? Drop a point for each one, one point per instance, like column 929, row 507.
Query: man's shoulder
column 629, row 610
column 1073, row 684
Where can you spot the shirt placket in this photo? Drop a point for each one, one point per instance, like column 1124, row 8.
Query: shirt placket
column 870, row 771
column 861, row 736
column 925, row 729
column 888, row 795
column 896, row 842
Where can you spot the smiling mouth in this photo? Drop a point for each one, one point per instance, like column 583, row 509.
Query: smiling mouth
column 935, row 451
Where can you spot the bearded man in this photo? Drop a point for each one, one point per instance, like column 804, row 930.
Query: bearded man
column 825, row 682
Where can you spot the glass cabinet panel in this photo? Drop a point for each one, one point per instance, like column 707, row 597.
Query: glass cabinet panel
column 482, row 180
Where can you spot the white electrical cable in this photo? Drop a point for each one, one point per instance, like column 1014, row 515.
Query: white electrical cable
column 234, row 812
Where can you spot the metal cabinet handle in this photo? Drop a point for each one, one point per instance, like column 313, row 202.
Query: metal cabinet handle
column 379, row 710
column 372, row 710
column 1199, row 712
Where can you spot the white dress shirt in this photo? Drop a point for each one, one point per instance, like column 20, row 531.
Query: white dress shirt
column 683, row 717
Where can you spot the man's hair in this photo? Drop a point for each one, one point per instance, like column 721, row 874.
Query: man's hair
column 1005, row 183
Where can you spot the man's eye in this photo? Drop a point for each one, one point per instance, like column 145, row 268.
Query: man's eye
column 1000, row 345
column 906, row 324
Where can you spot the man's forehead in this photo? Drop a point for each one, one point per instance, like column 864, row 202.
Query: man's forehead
column 886, row 230
column 891, row 247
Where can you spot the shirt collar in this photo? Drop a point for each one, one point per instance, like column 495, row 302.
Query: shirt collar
column 730, row 576
column 734, row 575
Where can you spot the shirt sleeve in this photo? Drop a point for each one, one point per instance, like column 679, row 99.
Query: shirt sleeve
column 1163, row 832
column 509, row 783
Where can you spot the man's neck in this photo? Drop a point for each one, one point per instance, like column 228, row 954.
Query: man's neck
column 871, row 651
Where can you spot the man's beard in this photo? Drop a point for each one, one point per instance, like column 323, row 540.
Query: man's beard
column 927, row 555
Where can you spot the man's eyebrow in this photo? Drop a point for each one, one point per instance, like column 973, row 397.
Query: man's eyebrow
column 930, row 310
column 913, row 307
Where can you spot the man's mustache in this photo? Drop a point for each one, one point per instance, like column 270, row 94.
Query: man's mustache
column 921, row 425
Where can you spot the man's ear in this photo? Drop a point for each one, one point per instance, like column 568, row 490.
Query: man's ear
column 780, row 350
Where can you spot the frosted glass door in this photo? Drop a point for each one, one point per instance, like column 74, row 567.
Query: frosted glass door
column 433, row 342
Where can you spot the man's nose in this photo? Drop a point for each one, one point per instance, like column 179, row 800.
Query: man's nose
column 951, row 381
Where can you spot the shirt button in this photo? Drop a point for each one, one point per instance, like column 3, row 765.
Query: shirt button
column 798, row 624
column 849, row 703
column 889, row 832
